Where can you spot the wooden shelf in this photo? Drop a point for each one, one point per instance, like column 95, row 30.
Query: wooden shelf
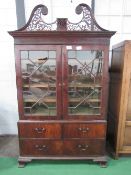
column 46, row 100
column 82, row 85
column 53, row 100
column 40, row 85
column 74, row 100
column 45, row 85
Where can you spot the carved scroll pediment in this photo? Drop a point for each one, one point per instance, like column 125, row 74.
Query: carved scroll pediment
column 87, row 23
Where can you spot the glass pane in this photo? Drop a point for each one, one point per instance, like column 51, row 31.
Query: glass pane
column 52, row 54
column 39, row 83
column 24, row 54
column 36, row 55
column 71, row 54
column 84, row 81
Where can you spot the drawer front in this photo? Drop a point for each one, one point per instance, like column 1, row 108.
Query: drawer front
column 127, row 136
column 77, row 147
column 39, row 130
column 41, row 147
column 84, row 147
column 84, row 130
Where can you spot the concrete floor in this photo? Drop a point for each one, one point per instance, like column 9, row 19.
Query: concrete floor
column 9, row 146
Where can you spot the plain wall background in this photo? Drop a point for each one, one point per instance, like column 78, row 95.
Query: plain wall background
column 110, row 14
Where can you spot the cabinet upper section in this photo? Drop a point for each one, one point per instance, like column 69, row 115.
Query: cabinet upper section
column 36, row 26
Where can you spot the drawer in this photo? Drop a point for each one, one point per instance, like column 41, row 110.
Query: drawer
column 40, row 147
column 84, row 147
column 77, row 147
column 92, row 130
column 127, row 136
column 39, row 130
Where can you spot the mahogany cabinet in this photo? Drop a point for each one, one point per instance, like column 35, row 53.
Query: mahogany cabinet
column 119, row 128
column 62, row 85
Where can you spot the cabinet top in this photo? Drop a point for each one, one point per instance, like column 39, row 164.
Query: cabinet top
column 36, row 26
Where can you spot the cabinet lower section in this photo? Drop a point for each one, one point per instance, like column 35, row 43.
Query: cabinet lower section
column 62, row 140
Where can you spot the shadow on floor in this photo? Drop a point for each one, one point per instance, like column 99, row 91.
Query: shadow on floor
column 9, row 146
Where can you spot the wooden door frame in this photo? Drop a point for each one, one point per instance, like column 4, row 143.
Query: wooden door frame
column 104, row 83
column 19, row 82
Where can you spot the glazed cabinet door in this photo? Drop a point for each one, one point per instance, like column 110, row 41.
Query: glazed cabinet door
column 38, row 80
column 83, row 80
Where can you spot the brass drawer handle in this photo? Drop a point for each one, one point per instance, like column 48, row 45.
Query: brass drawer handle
column 83, row 147
column 41, row 147
column 40, row 130
column 83, row 129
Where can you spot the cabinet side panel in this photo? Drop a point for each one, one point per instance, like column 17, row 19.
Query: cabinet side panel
column 127, row 117
column 116, row 73
column 128, row 114
column 117, row 60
